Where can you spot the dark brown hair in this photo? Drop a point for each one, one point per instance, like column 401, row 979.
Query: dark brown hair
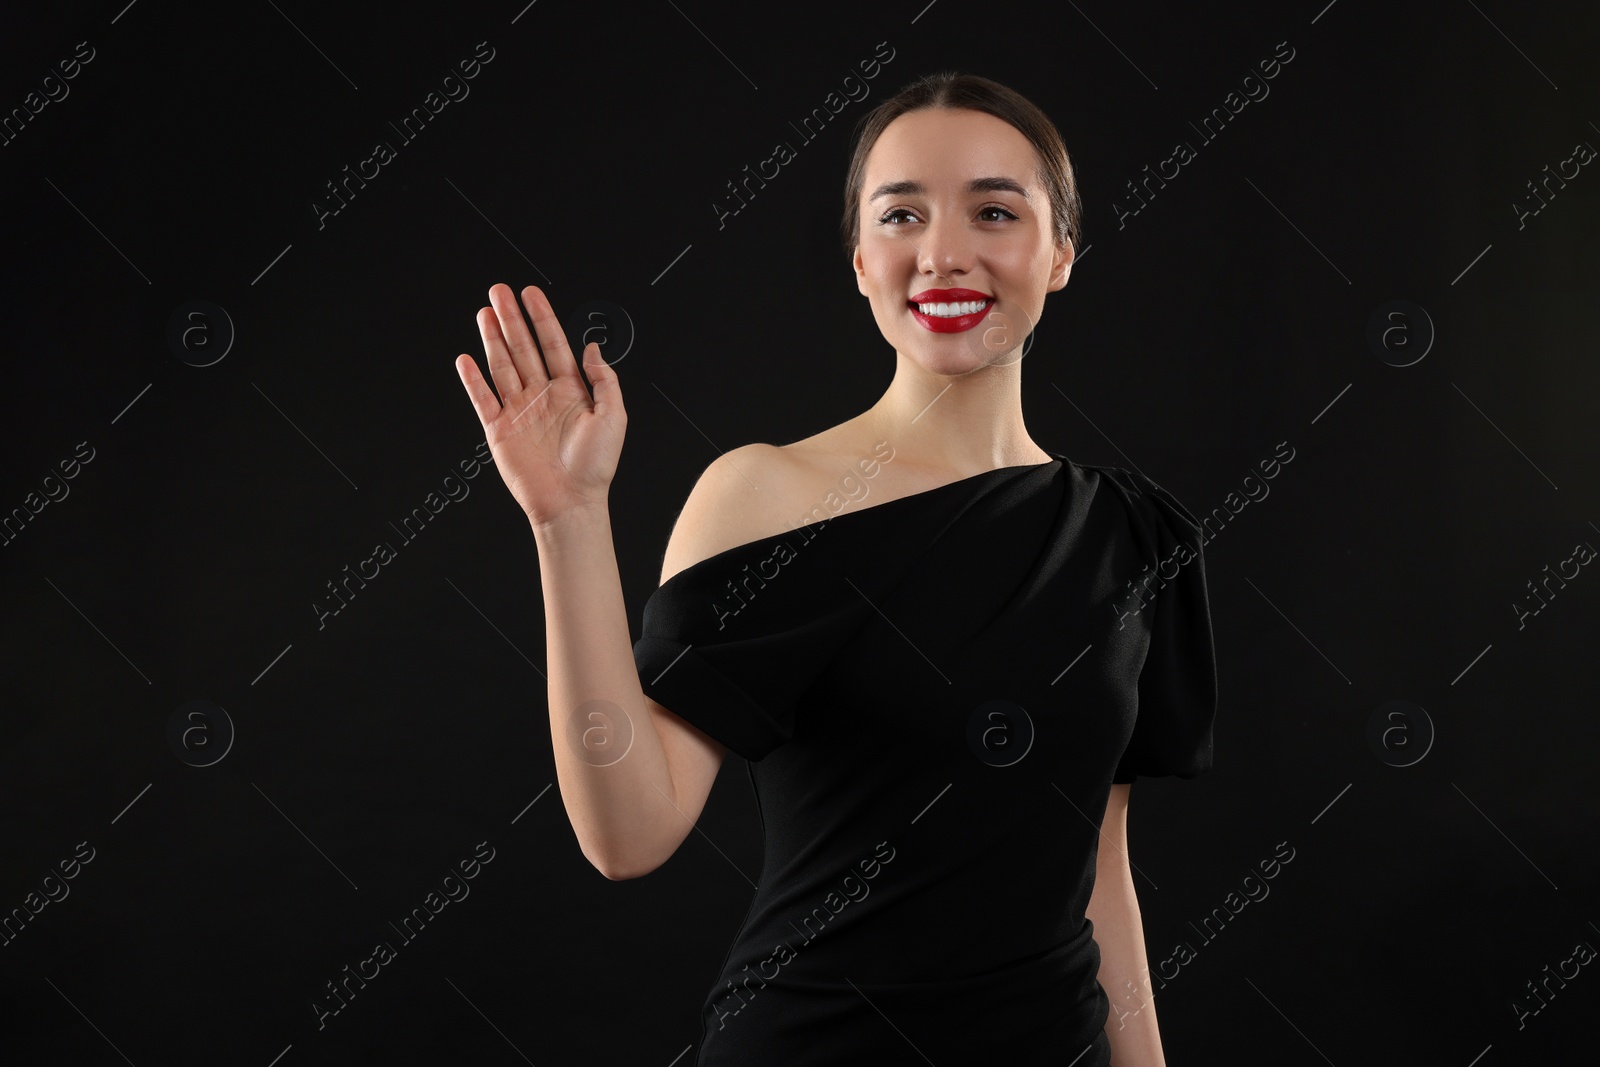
column 954, row 89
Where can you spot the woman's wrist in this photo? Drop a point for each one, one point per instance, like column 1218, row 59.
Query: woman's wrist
column 581, row 522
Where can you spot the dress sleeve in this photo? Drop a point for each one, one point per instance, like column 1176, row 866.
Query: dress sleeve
column 1172, row 733
column 732, row 643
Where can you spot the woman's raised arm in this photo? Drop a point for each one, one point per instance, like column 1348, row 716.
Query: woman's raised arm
column 557, row 451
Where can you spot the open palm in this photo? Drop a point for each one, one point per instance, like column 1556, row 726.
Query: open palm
column 555, row 448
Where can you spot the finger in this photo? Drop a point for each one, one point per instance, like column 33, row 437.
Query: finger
column 525, row 370
column 552, row 338
column 501, row 370
column 607, row 390
column 483, row 398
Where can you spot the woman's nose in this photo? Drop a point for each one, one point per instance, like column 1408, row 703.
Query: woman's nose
column 945, row 246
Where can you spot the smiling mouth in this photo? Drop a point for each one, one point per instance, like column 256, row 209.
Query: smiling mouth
column 951, row 316
column 951, row 309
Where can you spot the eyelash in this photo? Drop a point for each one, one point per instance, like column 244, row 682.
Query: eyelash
column 883, row 220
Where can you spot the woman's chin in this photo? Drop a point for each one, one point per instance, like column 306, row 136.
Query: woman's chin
column 959, row 360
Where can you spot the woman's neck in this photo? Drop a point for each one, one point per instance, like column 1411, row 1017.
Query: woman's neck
column 961, row 424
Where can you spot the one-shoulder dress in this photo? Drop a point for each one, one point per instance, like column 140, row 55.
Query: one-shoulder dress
column 934, row 695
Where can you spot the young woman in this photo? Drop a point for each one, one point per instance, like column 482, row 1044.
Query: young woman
column 944, row 651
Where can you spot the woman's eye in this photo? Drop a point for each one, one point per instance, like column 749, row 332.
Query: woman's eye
column 891, row 218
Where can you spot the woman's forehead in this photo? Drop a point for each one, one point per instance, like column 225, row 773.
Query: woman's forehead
column 940, row 146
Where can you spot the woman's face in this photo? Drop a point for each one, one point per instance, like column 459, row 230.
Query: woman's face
column 926, row 234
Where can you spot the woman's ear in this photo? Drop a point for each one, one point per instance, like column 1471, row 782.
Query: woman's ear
column 860, row 269
column 1061, row 265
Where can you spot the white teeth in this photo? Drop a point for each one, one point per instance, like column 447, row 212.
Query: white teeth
column 950, row 311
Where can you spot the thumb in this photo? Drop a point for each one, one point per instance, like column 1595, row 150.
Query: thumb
column 607, row 391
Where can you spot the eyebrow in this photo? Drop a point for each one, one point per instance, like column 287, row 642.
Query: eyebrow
column 909, row 187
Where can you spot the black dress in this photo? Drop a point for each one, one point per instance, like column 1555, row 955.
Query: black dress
column 934, row 695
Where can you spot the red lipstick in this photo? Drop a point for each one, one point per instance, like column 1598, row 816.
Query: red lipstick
column 950, row 323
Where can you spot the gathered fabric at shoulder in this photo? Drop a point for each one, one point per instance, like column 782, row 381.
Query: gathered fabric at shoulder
column 731, row 643
column 1178, row 682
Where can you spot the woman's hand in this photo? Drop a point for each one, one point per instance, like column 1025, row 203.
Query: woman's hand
column 556, row 449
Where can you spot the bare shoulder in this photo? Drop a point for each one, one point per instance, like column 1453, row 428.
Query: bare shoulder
column 744, row 494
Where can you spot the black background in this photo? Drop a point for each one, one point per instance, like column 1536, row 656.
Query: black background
column 374, row 753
